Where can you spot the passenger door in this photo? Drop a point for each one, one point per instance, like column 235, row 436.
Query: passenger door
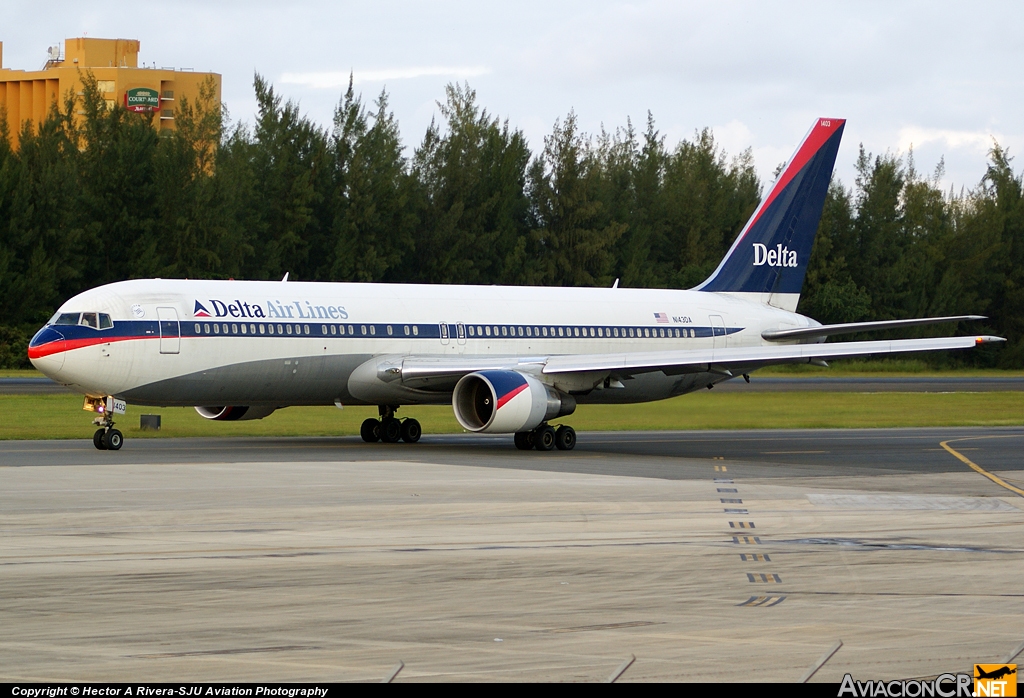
column 170, row 330
column 718, row 332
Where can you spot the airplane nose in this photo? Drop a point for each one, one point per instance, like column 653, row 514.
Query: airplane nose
column 46, row 351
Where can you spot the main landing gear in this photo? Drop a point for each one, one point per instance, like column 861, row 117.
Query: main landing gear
column 389, row 428
column 546, row 437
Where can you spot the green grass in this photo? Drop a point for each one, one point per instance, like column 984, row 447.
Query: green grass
column 62, row 417
column 20, row 373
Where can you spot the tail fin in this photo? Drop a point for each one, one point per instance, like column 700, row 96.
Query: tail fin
column 769, row 257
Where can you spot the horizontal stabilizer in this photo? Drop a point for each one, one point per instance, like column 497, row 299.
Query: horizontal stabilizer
column 851, row 327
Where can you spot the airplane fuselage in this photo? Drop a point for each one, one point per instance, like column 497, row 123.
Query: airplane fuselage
column 183, row 342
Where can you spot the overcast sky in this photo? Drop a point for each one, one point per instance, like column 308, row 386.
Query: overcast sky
column 944, row 77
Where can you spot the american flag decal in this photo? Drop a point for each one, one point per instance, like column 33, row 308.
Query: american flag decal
column 661, row 317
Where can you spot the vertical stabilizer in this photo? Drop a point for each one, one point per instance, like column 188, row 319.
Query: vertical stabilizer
column 768, row 260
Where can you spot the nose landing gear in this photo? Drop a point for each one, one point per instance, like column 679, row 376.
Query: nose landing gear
column 107, row 438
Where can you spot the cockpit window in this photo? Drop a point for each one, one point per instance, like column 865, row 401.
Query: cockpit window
column 67, row 319
column 105, row 323
column 90, row 320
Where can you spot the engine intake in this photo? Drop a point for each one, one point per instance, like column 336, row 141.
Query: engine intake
column 503, row 402
column 234, row 413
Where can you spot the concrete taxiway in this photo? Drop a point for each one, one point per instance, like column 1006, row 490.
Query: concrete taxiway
column 709, row 555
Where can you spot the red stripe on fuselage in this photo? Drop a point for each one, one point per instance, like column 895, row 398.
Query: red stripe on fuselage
column 58, row 346
column 511, row 394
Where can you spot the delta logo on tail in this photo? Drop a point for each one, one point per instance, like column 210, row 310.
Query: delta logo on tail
column 200, row 311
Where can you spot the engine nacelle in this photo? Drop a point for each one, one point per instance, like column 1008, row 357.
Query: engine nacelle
column 503, row 402
column 234, row 413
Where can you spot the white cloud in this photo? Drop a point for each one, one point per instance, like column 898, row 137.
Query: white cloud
column 339, row 79
column 917, row 136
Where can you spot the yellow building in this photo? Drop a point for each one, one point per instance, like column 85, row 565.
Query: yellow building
column 28, row 95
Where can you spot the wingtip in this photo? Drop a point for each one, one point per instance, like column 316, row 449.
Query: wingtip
column 988, row 339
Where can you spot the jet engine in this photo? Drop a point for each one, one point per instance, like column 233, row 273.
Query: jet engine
column 503, row 402
column 235, row 413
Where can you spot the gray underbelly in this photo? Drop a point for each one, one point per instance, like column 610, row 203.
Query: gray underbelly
column 316, row 380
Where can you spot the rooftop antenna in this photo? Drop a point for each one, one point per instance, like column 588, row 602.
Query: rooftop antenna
column 616, row 284
column 285, row 277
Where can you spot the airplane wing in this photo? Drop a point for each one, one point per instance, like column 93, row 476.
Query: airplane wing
column 441, row 373
column 728, row 359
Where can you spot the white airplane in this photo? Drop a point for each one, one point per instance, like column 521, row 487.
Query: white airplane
column 508, row 359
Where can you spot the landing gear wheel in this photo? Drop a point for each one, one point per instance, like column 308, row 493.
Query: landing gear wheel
column 390, row 430
column 370, row 430
column 97, row 439
column 524, row 440
column 544, row 438
column 113, row 440
column 565, row 438
column 411, row 431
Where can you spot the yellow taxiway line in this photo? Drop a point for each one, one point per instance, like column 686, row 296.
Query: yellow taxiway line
column 977, row 468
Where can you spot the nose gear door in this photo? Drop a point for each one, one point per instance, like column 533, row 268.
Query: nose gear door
column 170, row 330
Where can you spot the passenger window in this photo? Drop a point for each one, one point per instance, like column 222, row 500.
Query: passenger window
column 234, row 329
column 198, row 329
column 105, row 323
column 390, row 331
column 305, row 328
column 416, row 330
column 577, row 331
column 373, row 329
column 488, row 330
column 243, row 329
column 406, row 328
column 216, row 329
column 323, row 329
column 225, row 328
column 528, row 333
column 263, row 329
column 334, row 329
column 288, row 328
column 559, row 331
